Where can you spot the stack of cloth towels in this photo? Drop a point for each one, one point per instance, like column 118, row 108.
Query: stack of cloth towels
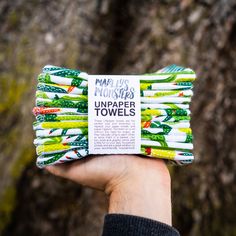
column 62, row 115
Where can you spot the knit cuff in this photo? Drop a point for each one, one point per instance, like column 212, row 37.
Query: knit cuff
column 128, row 225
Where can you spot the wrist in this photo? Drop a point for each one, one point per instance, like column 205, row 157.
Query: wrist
column 146, row 193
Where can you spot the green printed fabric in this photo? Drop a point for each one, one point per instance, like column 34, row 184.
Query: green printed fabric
column 58, row 117
column 51, row 95
column 164, row 106
column 170, row 93
column 61, row 113
column 56, row 88
column 53, row 79
column 57, row 132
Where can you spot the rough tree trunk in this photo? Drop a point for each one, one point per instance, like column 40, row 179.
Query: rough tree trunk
column 119, row 36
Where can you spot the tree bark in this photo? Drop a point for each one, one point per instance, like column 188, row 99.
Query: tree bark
column 117, row 37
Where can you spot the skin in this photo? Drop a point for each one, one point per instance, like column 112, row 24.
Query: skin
column 135, row 185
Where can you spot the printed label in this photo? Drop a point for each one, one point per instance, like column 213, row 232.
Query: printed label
column 114, row 114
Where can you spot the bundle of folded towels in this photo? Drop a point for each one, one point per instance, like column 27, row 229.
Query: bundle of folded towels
column 62, row 115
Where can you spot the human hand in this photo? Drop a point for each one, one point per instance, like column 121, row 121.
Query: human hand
column 136, row 186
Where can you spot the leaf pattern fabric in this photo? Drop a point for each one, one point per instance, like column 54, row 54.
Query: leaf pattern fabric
column 61, row 113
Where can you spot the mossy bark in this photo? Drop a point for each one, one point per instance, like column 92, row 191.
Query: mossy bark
column 117, row 37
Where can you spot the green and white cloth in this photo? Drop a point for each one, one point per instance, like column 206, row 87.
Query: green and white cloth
column 61, row 113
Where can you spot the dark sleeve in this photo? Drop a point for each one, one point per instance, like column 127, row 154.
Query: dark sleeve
column 128, row 225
